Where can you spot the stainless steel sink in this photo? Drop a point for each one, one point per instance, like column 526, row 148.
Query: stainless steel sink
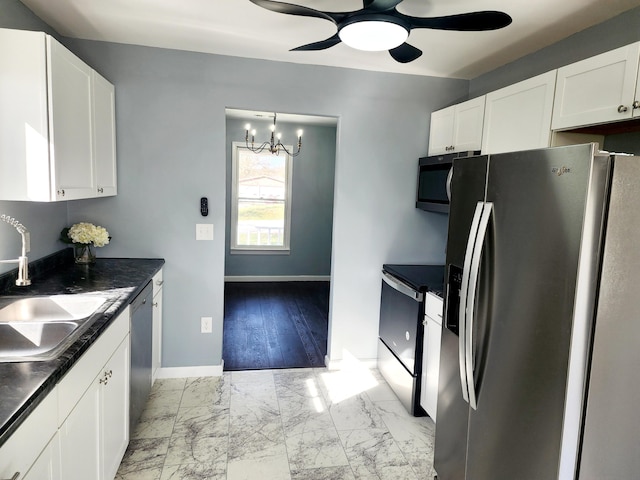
column 40, row 328
column 51, row 309
column 30, row 339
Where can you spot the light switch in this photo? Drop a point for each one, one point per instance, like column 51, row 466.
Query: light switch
column 204, row 231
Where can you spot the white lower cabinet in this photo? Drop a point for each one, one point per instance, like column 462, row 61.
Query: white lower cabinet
column 156, row 348
column 431, row 354
column 23, row 451
column 114, row 410
column 47, row 466
column 94, row 407
column 80, row 438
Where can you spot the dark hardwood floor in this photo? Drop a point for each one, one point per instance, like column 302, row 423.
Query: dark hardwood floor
column 275, row 325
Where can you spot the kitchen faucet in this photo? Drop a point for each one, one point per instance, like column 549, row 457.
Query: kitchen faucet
column 22, row 261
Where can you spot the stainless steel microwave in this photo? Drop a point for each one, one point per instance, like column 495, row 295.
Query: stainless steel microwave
column 434, row 181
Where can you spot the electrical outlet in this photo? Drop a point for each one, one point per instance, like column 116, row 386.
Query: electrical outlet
column 206, row 325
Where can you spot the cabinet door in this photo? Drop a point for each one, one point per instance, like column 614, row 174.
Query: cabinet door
column 433, row 335
column 24, row 136
column 80, row 438
column 518, row 117
column 425, row 367
column 70, row 124
column 35, row 432
column 104, row 135
column 597, row 90
column 157, row 334
column 469, row 119
column 441, row 131
column 47, row 466
column 114, row 406
column 636, row 100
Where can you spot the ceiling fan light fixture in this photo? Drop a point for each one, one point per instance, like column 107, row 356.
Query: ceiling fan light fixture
column 373, row 35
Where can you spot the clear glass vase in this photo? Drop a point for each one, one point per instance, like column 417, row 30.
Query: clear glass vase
column 84, row 253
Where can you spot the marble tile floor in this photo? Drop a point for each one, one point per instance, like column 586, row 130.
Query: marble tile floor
column 311, row 424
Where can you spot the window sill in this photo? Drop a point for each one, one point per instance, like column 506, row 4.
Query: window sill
column 259, row 251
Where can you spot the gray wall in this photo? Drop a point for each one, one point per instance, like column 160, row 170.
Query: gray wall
column 172, row 150
column 312, row 203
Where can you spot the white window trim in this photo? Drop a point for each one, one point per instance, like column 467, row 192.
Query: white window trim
column 260, row 249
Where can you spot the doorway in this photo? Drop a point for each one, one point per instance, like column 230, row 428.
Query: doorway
column 277, row 299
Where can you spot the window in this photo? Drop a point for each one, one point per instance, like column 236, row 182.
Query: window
column 260, row 201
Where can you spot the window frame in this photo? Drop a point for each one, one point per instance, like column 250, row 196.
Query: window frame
column 284, row 249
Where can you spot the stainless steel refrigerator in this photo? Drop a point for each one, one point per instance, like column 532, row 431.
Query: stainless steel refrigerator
column 540, row 352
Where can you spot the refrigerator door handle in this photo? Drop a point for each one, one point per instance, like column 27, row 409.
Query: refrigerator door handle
column 471, row 301
column 462, row 315
column 449, row 178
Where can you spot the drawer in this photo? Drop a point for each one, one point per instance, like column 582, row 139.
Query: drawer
column 433, row 307
column 77, row 380
column 25, row 445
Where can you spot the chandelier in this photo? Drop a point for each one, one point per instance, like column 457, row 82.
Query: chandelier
column 272, row 146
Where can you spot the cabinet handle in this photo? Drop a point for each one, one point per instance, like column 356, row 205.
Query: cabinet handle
column 155, row 304
column 104, row 380
column 100, row 190
column 159, row 282
column 61, row 193
column 636, row 104
column 108, row 374
column 623, row 109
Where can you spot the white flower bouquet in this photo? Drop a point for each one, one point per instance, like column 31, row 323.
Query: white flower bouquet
column 83, row 236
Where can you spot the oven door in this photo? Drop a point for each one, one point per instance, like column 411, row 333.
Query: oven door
column 400, row 330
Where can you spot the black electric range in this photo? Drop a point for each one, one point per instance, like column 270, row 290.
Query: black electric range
column 401, row 329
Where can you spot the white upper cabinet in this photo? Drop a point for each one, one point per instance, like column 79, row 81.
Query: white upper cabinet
column 600, row 89
column 457, row 128
column 70, row 119
column 104, row 135
column 57, row 128
column 518, row 117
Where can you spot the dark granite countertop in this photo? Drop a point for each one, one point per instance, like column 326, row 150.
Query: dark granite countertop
column 23, row 385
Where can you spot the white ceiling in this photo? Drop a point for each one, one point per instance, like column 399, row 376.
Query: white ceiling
column 240, row 28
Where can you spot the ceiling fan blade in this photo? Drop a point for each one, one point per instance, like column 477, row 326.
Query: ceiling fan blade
column 290, row 9
column 467, row 22
column 405, row 53
column 380, row 5
column 321, row 45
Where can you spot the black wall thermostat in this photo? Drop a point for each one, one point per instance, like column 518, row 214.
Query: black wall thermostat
column 204, row 206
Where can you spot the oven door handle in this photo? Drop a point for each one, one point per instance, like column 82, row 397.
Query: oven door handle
column 402, row 287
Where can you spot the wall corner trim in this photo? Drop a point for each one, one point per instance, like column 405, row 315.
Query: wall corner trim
column 195, row 371
column 277, row 278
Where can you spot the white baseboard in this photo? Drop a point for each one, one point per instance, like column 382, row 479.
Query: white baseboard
column 277, row 278
column 183, row 372
column 337, row 364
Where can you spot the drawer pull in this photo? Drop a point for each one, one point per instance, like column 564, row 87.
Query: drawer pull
column 155, row 304
column 159, row 282
column 623, row 109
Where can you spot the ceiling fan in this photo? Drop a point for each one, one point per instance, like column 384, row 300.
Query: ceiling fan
column 380, row 26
